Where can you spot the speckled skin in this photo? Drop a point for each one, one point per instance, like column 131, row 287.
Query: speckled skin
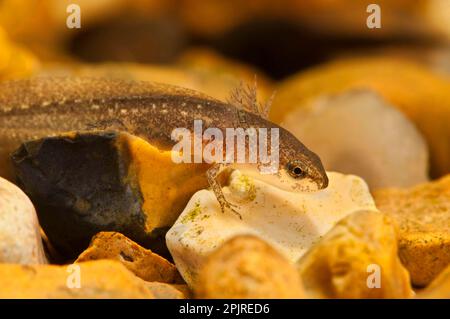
column 35, row 108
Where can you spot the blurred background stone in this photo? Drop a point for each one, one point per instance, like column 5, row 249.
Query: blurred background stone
column 357, row 132
column 422, row 95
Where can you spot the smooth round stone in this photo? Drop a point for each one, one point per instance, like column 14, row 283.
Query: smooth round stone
column 20, row 239
column 358, row 132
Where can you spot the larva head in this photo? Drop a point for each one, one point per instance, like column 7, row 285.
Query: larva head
column 299, row 169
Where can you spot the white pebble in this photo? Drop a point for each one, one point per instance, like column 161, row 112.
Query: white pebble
column 20, row 239
column 291, row 222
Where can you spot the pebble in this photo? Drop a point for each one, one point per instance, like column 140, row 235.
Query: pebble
column 357, row 132
column 356, row 259
column 247, row 267
column 422, row 95
column 439, row 288
column 290, row 222
column 83, row 183
column 20, row 239
column 142, row 262
column 423, row 216
column 104, row 279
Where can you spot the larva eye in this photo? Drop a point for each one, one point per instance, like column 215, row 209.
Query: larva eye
column 295, row 169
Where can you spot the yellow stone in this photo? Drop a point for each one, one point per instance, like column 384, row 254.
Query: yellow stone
column 439, row 288
column 423, row 216
column 164, row 200
column 166, row 291
column 98, row 279
column 356, row 259
column 216, row 75
column 15, row 61
column 247, row 267
column 142, row 262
